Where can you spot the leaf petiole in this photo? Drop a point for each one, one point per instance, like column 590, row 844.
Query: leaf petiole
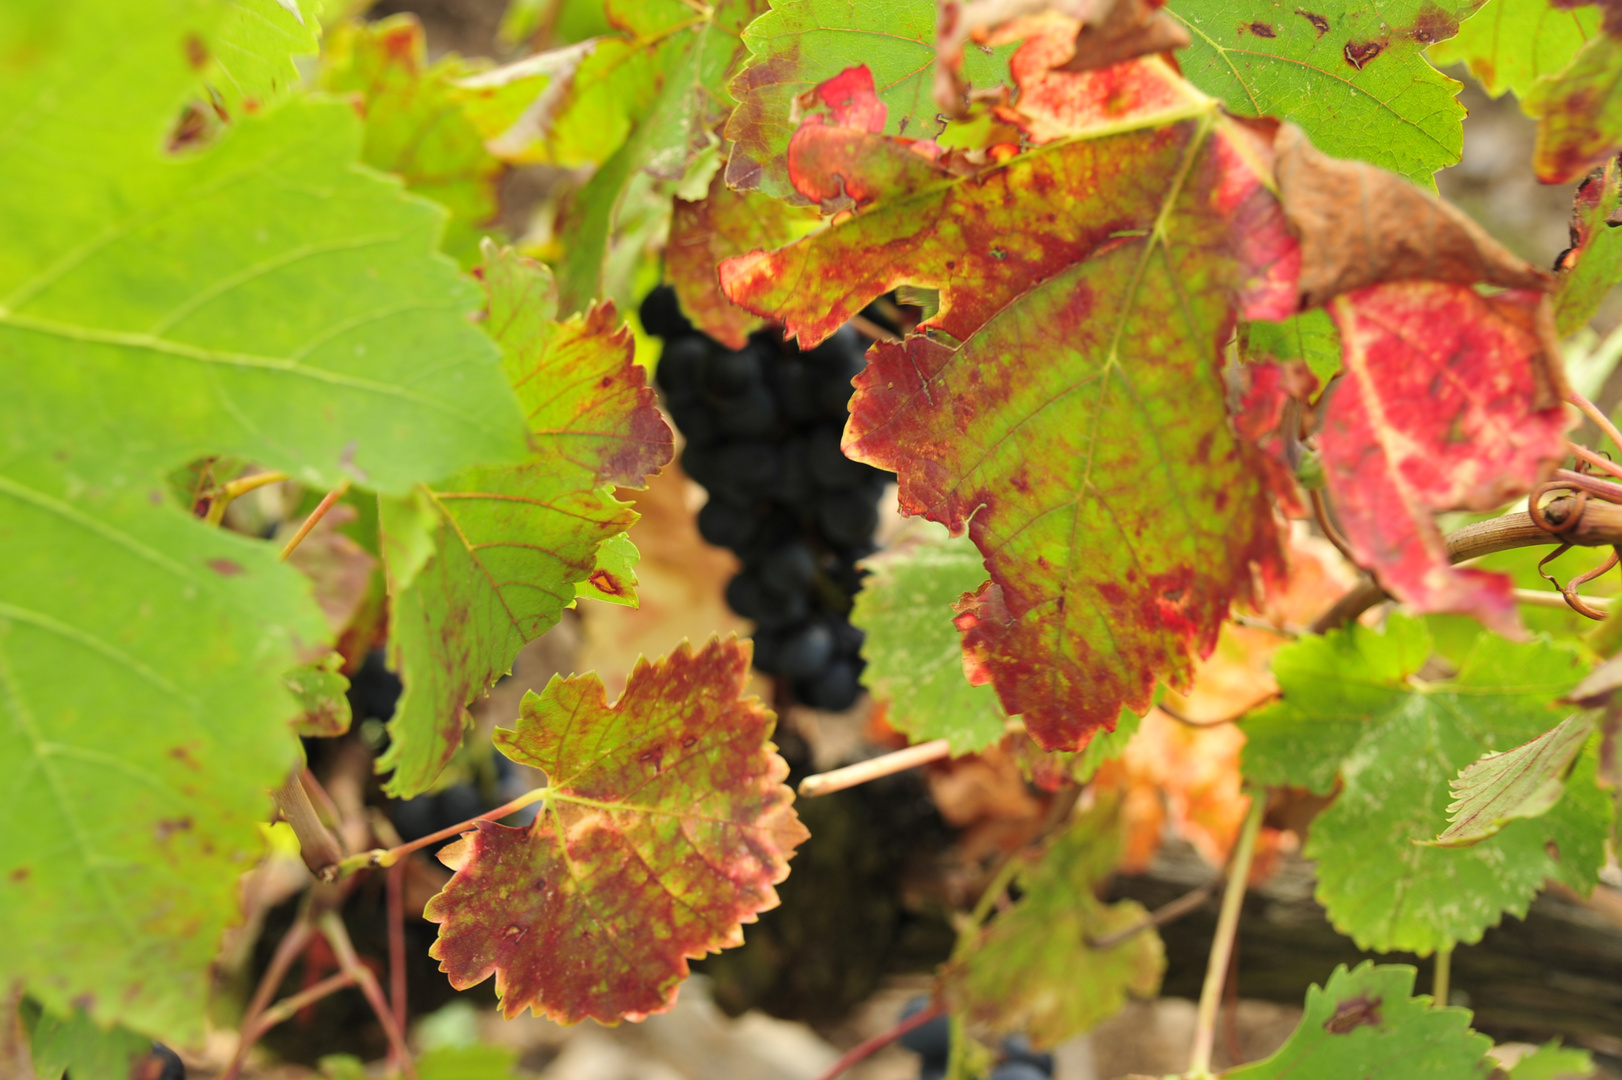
column 386, row 857
column 235, row 489
column 327, row 502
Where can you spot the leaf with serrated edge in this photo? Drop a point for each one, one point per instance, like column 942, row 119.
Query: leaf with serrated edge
column 1551, row 1061
column 1034, row 969
column 1508, row 44
column 664, row 829
column 1367, row 1025
column 254, row 52
column 613, row 578
column 1594, row 265
column 74, row 1044
column 1579, row 109
column 1404, row 436
column 913, row 649
column 1353, row 707
column 289, row 309
column 142, row 721
column 800, row 44
column 723, row 224
column 1525, row 782
column 1091, row 283
column 512, row 542
column 1352, row 73
column 416, row 126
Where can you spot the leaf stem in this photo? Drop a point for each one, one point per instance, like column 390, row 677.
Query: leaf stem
column 873, row 768
column 870, row 1046
column 318, row 847
column 287, row 950
column 1594, row 413
column 234, row 489
column 385, row 857
column 394, row 891
column 332, row 928
column 315, row 517
column 1442, row 976
column 1216, row 971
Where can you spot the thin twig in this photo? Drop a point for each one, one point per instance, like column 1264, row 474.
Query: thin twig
column 235, row 489
column 1160, row 916
column 1326, row 524
column 1593, row 412
column 1599, row 461
column 873, row 768
column 287, row 950
column 284, row 1009
column 868, row 1047
column 1189, row 721
column 1540, row 598
column 332, row 928
column 872, row 330
column 382, row 857
column 327, row 502
column 394, row 888
column 1442, row 975
column 1199, row 1063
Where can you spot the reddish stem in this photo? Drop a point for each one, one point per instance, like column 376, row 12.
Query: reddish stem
column 332, row 927
column 868, row 1047
column 1593, row 412
column 394, row 882
column 315, row 517
column 287, row 950
column 389, row 856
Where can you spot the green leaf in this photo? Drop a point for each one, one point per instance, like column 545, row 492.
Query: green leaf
column 142, row 720
column 511, row 542
column 1509, row 44
column 1351, row 73
column 665, row 828
column 914, row 651
column 1524, row 782
column 1579, row 111
column 801, row 43
column 74, row 1042
column 416, row 123
column 1366, row 1025
column 1035, row 969
column 322, row 691
column 1597, row 251
column 1551, row 1061
column 255, row 48
column 1354, row 707
column 613, row 578
column 1310, row 337
column 258, row 297
column 467, row 1063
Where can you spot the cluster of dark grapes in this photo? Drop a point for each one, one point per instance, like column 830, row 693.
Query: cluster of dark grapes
column 762, row 426
column 932, row 1042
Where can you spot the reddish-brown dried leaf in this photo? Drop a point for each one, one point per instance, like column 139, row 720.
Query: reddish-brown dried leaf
column 666, row 825
column 1359, row 225
column 1443, row 406
column 1091, row 284
column 722, row 224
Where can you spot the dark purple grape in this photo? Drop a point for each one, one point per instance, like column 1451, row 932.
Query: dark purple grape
column 768, row 648
column 829, row 466
column 748, row 417
column 749, row 465
column 730, row 374
column 834, row 690
column 727, row 524
column 661, row 314
column 161, row 1064
column 679, row 364
column 1018, row 1070
column 1018, row 1048
column 745, row 596
column 374, row 689
column 696, row 423
column 842, row 348
column 795, row 384
column 784, row 612
column 807, row 651
column 848, row 639
column 702, row 462
column 792, row 485
column 789, row 570
column 845, row 517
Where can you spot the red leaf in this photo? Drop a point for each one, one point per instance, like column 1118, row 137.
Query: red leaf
column 1439, row 409
column 665, row 827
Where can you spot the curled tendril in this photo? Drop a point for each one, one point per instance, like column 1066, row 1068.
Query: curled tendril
column 1579, row 483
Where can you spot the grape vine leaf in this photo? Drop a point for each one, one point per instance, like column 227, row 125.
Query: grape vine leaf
column 1354, row 707
column 58, row 1044
column 1367, row 1025
column 253, row 53
column 914, row 651
column 1579, row 107
column 664, row 829
column 1524, row 782
column 1085, row 290
column 416, row 123
column 1351, row 73
column 122, row 842
column 1403, row 437
column 722, row 224
column 511, row 542
column 1551, row 1061
column 1035, row 968
column 322, row 692
column 1594, row 263
column 800, row 44
column 314, row 333
column 613, row 577
column 1509, row 44
column 1309, row 337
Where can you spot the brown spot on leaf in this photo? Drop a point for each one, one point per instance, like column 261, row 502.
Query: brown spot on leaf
column 183, row 755
column 1354, row 1013
column 1433, row 24
column 196, row 52
column 604, row 581
column 167, row 827
column 226, row 567
column 1358, row 54
column 19, row 875
column 1319, row 23
column 1263, row 30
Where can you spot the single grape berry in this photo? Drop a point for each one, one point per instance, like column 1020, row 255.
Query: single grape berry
column 727, row 524
column 789, row 570
column 679, row 364
column 807, row 651
column 727, row 375
column 846, row 517
column 661, row 315
column 835, row 690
